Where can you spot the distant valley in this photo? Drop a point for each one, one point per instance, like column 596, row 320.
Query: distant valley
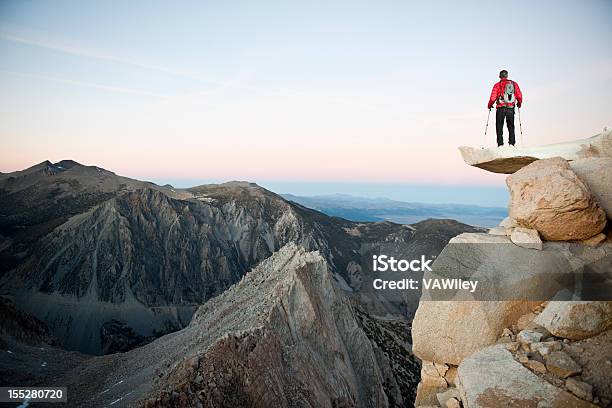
column 363, row 209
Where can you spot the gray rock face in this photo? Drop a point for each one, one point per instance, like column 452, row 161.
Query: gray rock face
column 81, row 247
column 597, row 174
column 143, row 250
column 594, row 355
column 492, row 378
column 576, row 320
column 580, row 389
column 285, row 335
column 528, row 336
column 562, row 365
column 450, row 330
column 526, row 238
column 447, row 332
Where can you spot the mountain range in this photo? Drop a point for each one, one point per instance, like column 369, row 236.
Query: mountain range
column 232, row 275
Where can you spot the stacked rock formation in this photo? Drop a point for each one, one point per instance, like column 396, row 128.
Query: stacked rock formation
column 549, row 197
column 531, row 349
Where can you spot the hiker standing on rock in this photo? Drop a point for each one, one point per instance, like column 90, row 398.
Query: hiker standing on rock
column 505, row 95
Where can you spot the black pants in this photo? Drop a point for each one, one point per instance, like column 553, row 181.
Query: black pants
column 508, row 114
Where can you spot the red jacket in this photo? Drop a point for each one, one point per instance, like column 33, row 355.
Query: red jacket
column 498, row 92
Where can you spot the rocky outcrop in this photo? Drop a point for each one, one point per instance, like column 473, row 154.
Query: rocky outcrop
column 511, row 279
column 526, row 238
column 549, row 197
column 492, row 378
column 285, row 335
column 546, row 369
column 511, row 159
column 447, row 332
column 597, row 174
column 433, row 383
column 304, row 342
column 303, row 315
column 511, row 345
column 22, row 326
column 117, row 337
column 578, row 367
column 576, row 320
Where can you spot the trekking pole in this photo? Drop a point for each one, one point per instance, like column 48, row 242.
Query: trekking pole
column 487, row 125
column 520, row 126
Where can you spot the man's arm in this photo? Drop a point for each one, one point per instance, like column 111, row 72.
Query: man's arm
column 494, row 95
column 519, row 95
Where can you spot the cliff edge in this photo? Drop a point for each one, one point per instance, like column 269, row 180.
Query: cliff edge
column 510, row 159
column 539, row 332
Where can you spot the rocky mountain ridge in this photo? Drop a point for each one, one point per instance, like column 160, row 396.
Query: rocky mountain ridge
column 284, row 335
column 109, row 262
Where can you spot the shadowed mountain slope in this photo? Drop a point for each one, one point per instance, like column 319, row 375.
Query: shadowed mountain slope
column 109, row 262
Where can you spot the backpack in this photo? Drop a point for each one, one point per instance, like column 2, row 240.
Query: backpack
column 508, row 96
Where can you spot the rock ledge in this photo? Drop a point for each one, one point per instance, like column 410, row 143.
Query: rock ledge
column 510, row 159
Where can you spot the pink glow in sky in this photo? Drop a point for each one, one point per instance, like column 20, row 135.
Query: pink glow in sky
column 305, row 92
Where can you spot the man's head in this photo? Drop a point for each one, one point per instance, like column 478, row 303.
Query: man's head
column 503, row 74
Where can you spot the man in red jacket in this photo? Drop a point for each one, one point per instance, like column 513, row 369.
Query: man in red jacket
column 505, row 95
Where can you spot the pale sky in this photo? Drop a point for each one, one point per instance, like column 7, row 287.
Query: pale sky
column 310, row 92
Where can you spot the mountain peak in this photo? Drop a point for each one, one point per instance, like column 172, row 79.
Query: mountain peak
column 47, row 166
column 239, row 183
column 66, row 164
